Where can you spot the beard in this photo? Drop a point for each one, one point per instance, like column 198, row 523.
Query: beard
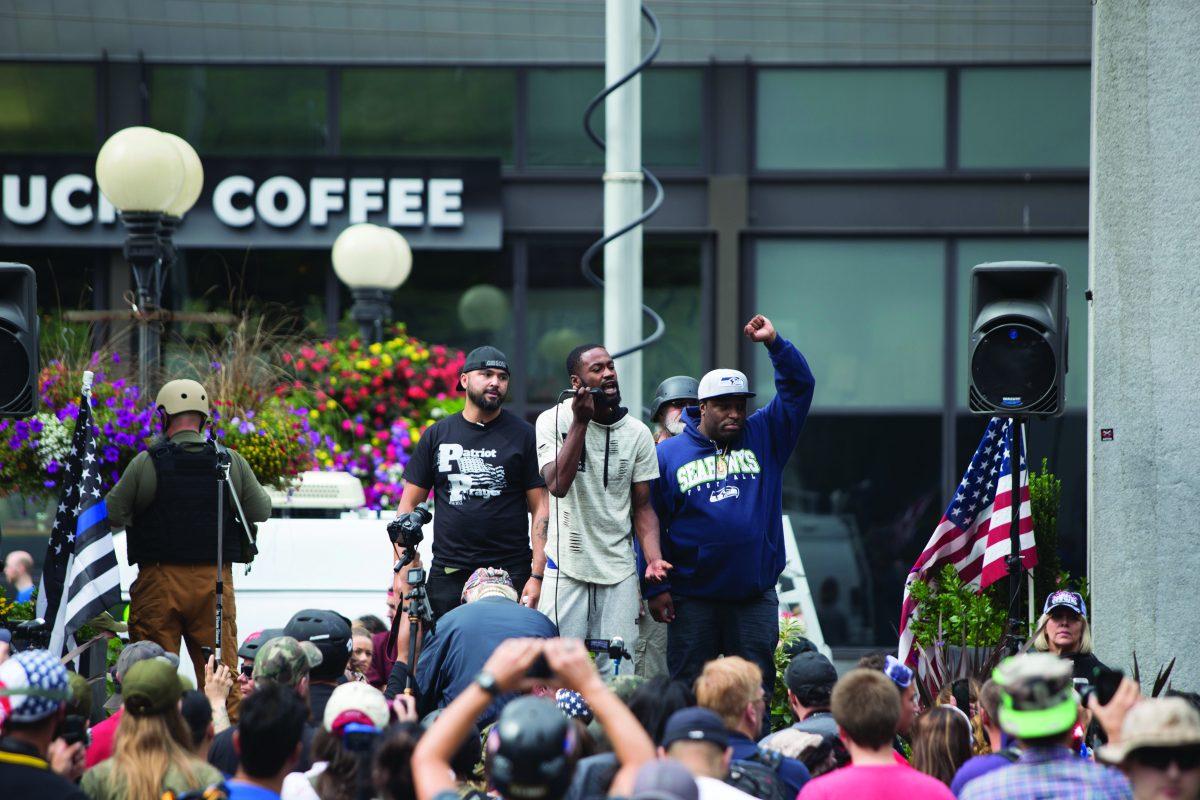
column 673, row 422
column 486, row 403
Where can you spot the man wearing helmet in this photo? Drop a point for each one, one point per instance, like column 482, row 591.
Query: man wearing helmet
column 671, row 397
column 166, row 501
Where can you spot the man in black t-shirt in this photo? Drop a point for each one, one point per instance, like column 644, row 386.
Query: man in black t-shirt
column 481, row 465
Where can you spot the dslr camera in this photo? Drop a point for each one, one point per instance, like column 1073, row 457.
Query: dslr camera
column 405, row 532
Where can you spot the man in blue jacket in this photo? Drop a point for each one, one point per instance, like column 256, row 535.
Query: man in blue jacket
column 719, row 499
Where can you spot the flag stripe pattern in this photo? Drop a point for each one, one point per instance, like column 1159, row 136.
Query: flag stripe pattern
column 80, row 577
column 974, row 533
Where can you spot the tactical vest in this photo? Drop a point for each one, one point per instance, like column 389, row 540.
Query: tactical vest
column 180, row 525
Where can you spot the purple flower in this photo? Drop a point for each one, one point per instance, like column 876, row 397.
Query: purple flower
column 216, row 365
column 36, row 425
column 116, row 357
column 53, row 467
column 111, row 454
column 52, row 484
column 118, row 384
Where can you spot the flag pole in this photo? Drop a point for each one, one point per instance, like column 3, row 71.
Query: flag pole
column 1014, row 535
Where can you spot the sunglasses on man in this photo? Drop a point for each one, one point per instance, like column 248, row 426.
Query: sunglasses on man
column 1161, row 758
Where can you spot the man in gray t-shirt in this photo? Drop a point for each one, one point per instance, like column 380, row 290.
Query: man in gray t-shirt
column 598, row 462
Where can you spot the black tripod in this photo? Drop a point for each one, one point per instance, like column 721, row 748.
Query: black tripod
column 420, row 612
column 223, row 462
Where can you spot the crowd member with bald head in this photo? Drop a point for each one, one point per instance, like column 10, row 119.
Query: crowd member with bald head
column 18, row 571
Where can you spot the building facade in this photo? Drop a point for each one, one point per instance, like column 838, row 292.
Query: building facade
column 839, row 167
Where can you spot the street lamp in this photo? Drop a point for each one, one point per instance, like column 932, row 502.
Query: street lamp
column 372, row 261
column 152, row 179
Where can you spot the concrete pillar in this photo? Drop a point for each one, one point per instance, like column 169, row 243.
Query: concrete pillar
column 1144, row 348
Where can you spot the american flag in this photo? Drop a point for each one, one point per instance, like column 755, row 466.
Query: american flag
column 974, row 533
column 79, row 576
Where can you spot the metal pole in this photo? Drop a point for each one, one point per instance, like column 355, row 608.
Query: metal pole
column 1014, row 530
column 623, row 195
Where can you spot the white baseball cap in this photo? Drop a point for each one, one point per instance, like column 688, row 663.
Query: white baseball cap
column 724, row 382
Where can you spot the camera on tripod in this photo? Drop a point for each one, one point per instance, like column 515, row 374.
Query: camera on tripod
column 405, row 532
column 32, row 634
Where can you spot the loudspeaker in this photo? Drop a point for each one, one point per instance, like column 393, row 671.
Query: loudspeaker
column 1018, row 346
column 18, row 341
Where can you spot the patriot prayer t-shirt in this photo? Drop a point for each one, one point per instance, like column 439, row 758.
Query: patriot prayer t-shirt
column 479, row 474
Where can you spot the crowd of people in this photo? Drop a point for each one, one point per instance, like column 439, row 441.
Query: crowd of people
column 537, row 720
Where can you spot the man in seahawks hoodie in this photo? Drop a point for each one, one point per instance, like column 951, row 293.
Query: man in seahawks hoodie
column 719, row 498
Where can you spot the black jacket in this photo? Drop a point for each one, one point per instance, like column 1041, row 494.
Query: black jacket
column 23, row 773
column 1085, row 665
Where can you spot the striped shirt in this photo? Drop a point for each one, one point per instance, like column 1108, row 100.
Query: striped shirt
column 1046, row 773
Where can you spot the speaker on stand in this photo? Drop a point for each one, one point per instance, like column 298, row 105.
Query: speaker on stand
column 1017, row 367
column 18, row 341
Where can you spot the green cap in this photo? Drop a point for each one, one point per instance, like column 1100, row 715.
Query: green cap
column 81, row 695
column 1037, row 696
column 150, row 687
column 285, row 661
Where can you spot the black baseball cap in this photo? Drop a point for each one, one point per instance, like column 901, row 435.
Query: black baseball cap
column 807, row 670
column 485, row 357
column 695, row 725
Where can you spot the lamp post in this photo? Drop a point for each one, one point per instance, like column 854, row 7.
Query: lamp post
column 372, row 261
column 152, row 179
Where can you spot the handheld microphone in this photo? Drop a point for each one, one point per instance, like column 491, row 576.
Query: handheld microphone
column 594, row 392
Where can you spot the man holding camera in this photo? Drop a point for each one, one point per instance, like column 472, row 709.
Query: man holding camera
column 481, row 465
column 166, row 501
column 598, row 461
column 720, row 499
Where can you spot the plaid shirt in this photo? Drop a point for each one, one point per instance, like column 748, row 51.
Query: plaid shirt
column 1048, row 773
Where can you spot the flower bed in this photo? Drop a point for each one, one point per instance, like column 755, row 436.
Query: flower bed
column 331, row 405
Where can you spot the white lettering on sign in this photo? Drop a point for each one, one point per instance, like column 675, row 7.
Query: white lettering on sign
column 238, row 202
column 404, row 202
column 445, row 202
column 326, row 196
column 60, row 199
column 270, row 211
column 33, row 210
column 366, row 195
column 222, row 201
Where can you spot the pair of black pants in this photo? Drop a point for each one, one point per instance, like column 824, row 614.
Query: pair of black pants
column 704, row 629
column 445, row 589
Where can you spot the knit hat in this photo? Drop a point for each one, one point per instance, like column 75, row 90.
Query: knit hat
column 284, row 660
column 150, row 688
column 355, row 702
column 33, row 685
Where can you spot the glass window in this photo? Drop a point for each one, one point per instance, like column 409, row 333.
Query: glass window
column 672, row 106
column 1071, row 255
column 862, row 496
column 47, row 108
column 868, row 315
column 442, row 111
column 851, row 119
column 564, row 311
column 242, row 110
column 1024, row 118
column 459, row 299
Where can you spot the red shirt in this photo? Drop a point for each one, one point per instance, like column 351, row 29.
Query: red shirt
column 103, row 734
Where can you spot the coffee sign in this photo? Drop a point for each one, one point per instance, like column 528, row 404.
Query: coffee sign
column 268, row 203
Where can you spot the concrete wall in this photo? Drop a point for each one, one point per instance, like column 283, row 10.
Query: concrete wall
column 1144, row 491
column 464, row 31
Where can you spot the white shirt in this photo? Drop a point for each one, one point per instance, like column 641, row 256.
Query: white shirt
column 713, row 789
column 594, row 520
column 298, row 785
